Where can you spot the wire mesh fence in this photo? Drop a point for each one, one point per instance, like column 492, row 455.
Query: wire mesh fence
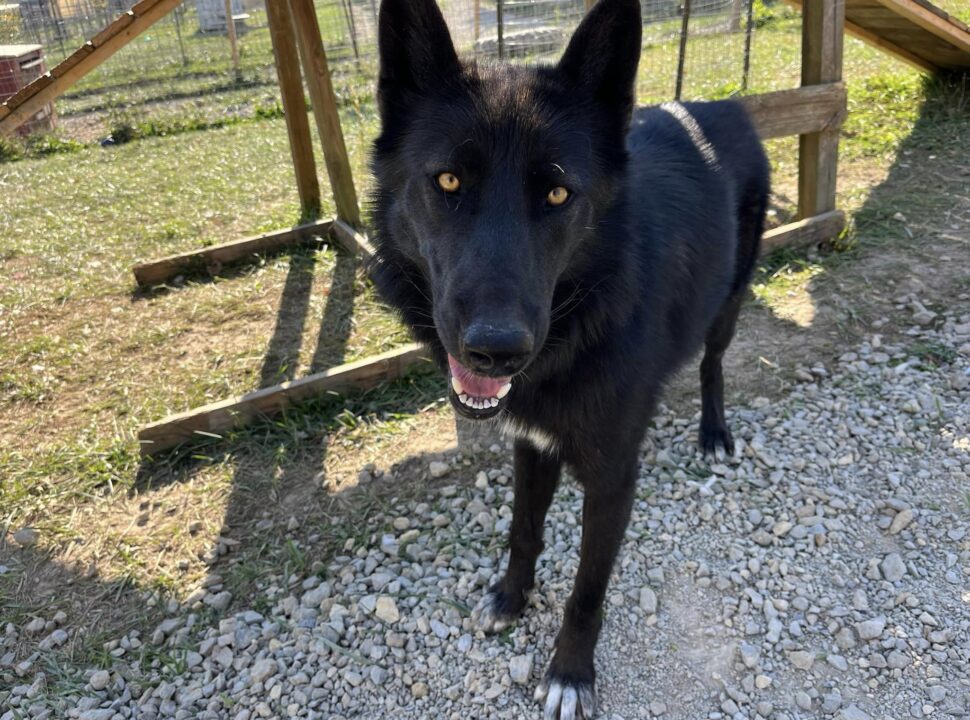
column 181, row 71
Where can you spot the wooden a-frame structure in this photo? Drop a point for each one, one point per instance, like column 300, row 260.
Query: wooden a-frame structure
column 300, row 58
column 814, row 112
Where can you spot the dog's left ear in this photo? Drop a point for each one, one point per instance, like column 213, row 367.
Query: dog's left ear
column 604, row 52
column 416, row 52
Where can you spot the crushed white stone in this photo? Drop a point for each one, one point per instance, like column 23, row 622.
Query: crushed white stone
column 821, row 573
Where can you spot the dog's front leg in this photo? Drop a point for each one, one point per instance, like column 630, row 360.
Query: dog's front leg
column 536, row 477
column 568, row 686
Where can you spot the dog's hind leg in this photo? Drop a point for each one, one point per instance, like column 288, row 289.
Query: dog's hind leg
column 751, row 217
column 714, row 430
column 536, row 477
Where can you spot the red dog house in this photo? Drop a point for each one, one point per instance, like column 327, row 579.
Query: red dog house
column 19, row 65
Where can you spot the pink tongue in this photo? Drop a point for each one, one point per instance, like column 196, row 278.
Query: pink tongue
column 475, row 385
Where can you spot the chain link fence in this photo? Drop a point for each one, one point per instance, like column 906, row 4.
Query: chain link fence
column 180, row 73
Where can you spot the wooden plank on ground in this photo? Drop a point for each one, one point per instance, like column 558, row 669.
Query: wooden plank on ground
column 212, row 259
column 287, row 59
column 804, row 233
column 353, row 241
column 220, row 417
column 808, row 109
column 324, row 102
column 49, row 86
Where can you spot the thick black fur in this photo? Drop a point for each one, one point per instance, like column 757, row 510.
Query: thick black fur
column 646, row 263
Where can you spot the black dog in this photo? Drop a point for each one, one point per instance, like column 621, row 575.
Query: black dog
column 561, row 256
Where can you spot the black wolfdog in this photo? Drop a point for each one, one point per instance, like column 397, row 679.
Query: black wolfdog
column 561, row 256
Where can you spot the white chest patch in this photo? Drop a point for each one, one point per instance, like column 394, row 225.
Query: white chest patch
column 540, row 438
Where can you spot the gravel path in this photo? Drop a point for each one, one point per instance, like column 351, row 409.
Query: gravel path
column 823, row 573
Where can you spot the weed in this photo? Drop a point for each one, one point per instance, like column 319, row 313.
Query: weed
column 768, row 12
column 934, row 354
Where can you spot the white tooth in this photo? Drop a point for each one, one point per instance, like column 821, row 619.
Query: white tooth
column 456, row 386
column 504, row 390
column 494, row 402
column 464, row 399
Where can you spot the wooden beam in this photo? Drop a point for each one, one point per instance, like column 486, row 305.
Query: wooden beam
column 940, row 12
column 883, row 44
column 211, row 259
column 823, row 24
column 804, row 233
column 930, row 21
column 808, row 109
column 45, row 89
column 218, row 418
column 294, row 105
column 353, row 241
column 324, row 102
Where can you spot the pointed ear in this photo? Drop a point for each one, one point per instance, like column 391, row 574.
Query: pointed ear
column 416, row 52
column 602, row 56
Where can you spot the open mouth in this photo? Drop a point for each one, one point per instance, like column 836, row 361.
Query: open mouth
column 477, row 396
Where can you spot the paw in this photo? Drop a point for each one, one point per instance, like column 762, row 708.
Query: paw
column 716, row 438
column 496, row 611
column 566, row 700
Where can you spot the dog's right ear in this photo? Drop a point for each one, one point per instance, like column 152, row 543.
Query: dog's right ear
column 416, row 52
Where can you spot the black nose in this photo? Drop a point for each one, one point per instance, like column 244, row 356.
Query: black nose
column 497, row 349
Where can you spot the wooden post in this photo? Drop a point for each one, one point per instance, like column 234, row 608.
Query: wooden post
column 294, row 106
column 324, row 103
column 233, row 45
column 818, row 153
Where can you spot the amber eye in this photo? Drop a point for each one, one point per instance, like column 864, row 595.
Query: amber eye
column 449, row 182
column 557, row 196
